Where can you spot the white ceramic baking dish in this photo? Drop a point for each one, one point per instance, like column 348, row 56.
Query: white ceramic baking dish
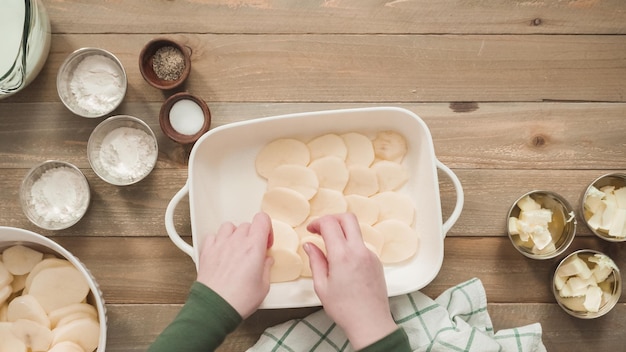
column 223, row 185
column 10, row 236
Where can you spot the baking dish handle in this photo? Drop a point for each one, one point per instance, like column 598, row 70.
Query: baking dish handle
column 456, row 213
column 169, row 221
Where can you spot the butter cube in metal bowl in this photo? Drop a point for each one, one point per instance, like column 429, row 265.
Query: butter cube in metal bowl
column 541, row 224
column 57, row 304
column 587, row 284
column 54, row 195
column 604, row 207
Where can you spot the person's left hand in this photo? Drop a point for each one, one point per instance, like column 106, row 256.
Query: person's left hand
column 234, row 263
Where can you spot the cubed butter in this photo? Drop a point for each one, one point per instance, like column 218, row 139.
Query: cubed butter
column 528, row 204
column 575, row 266
column 593, row 299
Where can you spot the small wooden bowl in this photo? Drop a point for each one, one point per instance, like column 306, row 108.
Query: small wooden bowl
column 166, row 126
column 146, row 61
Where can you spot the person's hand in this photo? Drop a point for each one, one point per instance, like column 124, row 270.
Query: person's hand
column 234, row 263
column 349, row 280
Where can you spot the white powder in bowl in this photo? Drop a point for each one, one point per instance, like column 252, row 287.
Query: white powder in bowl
column 97, row 84
column 128, row 154
column 59, row 196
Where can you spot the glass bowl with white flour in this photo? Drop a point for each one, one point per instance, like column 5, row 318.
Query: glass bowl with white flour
column 91, row 82
column 122, row 150
column 55, row 195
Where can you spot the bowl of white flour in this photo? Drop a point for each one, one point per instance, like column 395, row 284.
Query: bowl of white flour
column 122, row 150
column 54, row 195
column 91, row 82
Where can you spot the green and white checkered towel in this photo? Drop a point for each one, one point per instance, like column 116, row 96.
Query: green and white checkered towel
column 456, row 321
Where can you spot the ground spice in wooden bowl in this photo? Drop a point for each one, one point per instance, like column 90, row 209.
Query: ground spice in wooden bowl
column 164, row 63
column 168, row 63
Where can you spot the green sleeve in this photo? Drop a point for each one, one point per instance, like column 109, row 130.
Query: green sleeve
column 397, row 341
column 201, row 325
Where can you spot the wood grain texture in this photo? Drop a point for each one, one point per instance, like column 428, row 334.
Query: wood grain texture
column 376, row 68
column 341, row 16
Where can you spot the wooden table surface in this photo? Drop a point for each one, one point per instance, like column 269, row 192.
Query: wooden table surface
column 518, row 95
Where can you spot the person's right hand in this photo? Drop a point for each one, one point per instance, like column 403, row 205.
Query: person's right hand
column 349, row 280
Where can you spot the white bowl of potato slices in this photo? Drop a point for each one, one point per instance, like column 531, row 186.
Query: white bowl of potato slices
column 378, row 163
column 49, row 301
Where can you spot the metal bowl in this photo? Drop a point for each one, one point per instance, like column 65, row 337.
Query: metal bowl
column 122, row 150
column 54, row 195
column 562, row 227
column 11, row 236
column 611, row 288
column 95, row 93
column 618, row 181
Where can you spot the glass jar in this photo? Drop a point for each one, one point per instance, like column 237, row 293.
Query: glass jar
column 24, row 43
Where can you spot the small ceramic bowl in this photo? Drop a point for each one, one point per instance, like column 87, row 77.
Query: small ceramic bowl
column 54, row 195
column 91, row 82
column 561, row 227
column 11, row 236
column 184, row 118
column 608, row 289
column 165, row 63
column 122, row 150
column 595, row 204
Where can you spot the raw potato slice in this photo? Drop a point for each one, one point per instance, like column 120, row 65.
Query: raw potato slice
column 331, row 172
column 389, row 145
column 35, row 336
column 373, row 237
column 301, row 229
column 394, row 205
column 20, row 260
column 287, row 265
column 5, row 276
column 279, row 152
column 360, row 149
column 285, row 236
column 59, row 287
column 66, row 346
column 297, row 177
column 401, row 241
column 58, row 314
column 362, row 181
column 391, row 175
column 75, row 316
column 328, row 145
column 328, row 201
column 84, row 332
column 8, row 341
column 365, row 208
column 44, row 264
column 27, row 307
column 285, row 205
column 317, row 241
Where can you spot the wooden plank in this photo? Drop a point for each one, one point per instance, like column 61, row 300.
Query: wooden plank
column 380, row 68
column 465, row 135
column 138, row 210
column 153, row 270
column 339, row 16
column 134, row 327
